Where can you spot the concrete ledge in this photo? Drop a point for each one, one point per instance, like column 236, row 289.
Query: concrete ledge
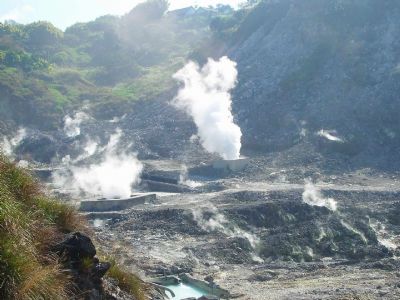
column 159, row 178
column 231, row 165
column 220, row 168
column 166, row 280
column 211, row 288
column 116, row 204
column 157, row 186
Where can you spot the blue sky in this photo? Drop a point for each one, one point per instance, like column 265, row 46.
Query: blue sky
column 64, row 13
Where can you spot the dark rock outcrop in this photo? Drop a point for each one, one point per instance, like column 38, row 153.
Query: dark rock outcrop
column 78, row 255
column 39, row 146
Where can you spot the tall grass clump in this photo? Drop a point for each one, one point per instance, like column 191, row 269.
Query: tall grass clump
column 30, row 222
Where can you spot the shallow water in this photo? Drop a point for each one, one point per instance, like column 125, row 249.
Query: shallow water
column 183, row 291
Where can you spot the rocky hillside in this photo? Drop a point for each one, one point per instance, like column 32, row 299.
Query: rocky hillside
column 317, row 79
column 306, row 66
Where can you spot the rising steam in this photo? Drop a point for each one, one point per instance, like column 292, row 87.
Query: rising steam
column 218, row 222
column 330, row 135
column 385, row 238
column 112, row 177
column 184, row 179
column 205, row 96
column 312, row 196
column 72, row 124
column 8, row 145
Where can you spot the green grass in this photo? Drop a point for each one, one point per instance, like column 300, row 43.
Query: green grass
column 126, row 281
column 30, row 223
column 154, row 81
column 100, row 62
column 59, row 98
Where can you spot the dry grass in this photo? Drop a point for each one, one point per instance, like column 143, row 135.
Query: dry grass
column 62, row 215
column 29, row 223
column 44, row 282
column 127, row 281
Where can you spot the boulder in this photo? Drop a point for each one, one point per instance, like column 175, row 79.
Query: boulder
column 39, row 146
column 75, row 246
column 78, row 255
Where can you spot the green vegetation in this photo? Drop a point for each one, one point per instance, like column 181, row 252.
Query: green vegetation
column 30, row 223
column 154, row 81
column 126, row 281
column 42, row 34
column 23, row 60
column 48, row 73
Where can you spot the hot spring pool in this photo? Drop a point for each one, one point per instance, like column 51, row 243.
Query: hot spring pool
column 183, row 291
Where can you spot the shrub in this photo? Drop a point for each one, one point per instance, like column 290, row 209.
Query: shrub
column 43, row 34
column 23, row 60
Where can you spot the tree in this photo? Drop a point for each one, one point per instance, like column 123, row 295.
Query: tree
column 42, row 34
column 148, row 11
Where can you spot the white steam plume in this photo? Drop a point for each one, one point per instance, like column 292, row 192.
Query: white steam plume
column 385, row 238
column 312, row 196
column 206, row 97
column 354, row 230
column 89, row 149
column 72, row 124
column 184, row 179
column 218, row 222
column 9, row 145
column 330, row 135
column 112, row 177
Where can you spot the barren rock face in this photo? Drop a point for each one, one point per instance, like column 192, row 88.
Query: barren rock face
column 312, row 65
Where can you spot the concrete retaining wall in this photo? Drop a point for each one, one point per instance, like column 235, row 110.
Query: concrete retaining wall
column 157, row 186
column 160, row 178
column 166, row 280
column 211, row 288
column 231, row 165
column 116, row 204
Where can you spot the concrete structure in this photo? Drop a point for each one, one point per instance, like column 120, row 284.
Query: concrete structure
column 44, row 173
column 157, row 186
column 210, row 287
column 116, row 204
column 212, row 290
column 166, row 280
column 164, row 179
column 231, row 165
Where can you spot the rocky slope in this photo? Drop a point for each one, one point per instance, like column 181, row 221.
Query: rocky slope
column 261, row 240
column 318, row 80
column 313, row 65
